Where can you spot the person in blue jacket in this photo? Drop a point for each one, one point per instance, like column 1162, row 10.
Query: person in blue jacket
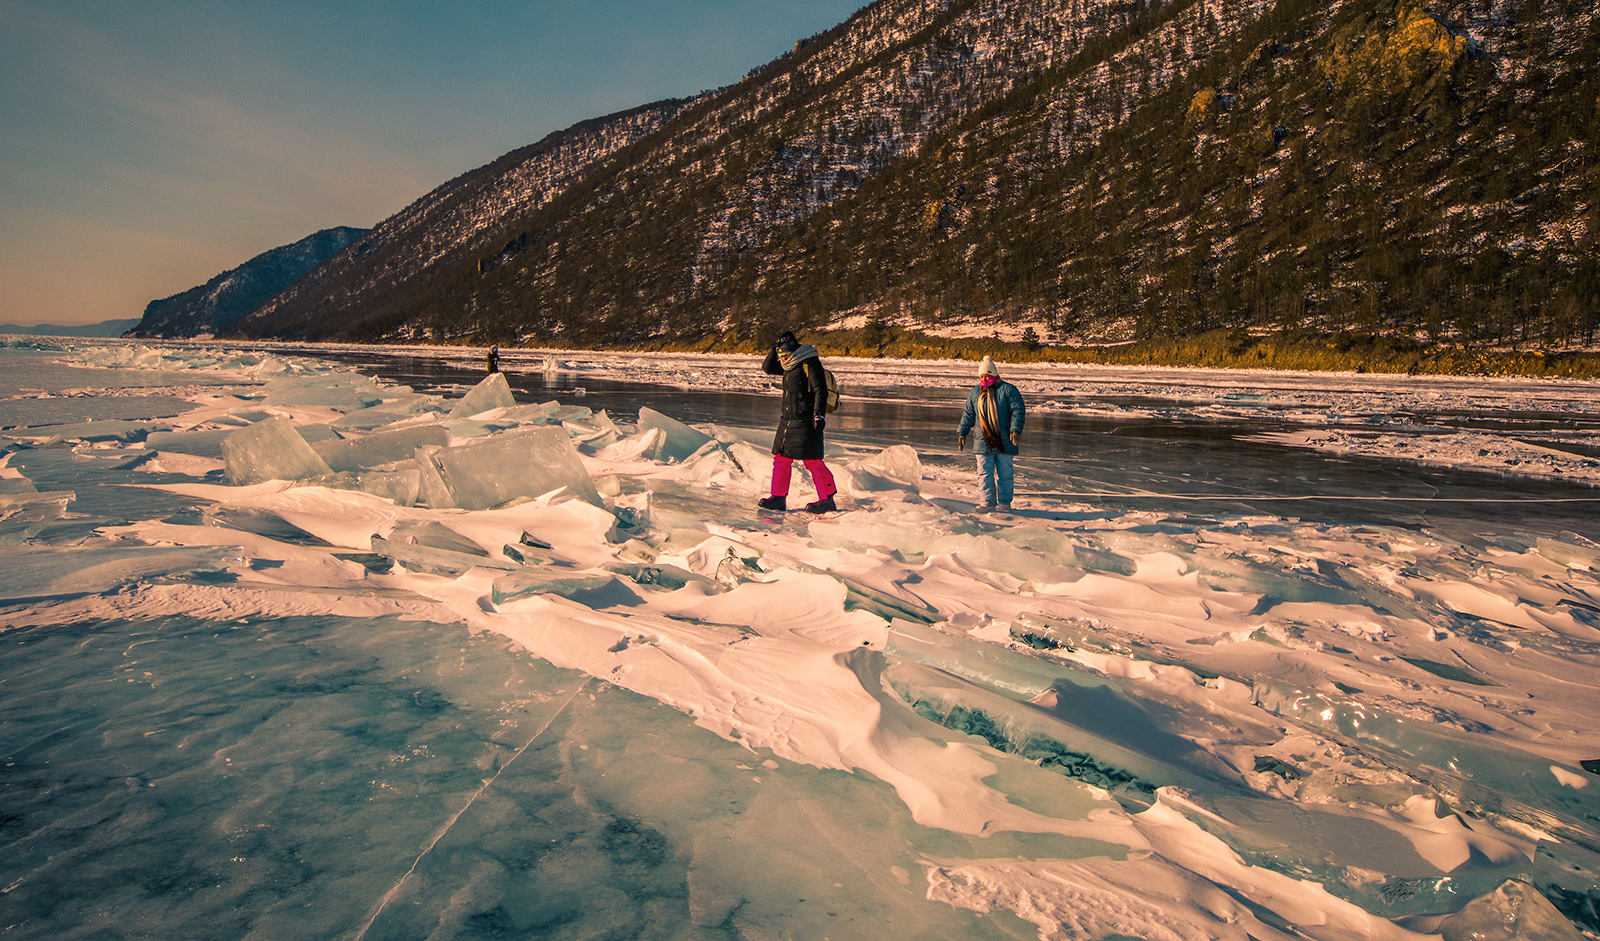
column 995, row 408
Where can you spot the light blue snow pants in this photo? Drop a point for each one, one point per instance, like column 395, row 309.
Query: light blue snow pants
column 995, row 474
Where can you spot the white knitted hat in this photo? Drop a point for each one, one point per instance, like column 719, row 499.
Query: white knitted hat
column 988, row 367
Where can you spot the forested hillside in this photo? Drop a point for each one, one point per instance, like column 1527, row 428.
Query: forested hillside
column 1097, row 170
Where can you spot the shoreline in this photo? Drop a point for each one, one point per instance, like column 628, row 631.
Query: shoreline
column 1218, row 351
column 1526, row 427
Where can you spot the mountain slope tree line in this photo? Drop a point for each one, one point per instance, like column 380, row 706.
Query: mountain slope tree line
column 1102, row 170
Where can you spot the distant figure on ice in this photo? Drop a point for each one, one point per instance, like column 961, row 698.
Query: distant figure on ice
column 799, row 436
column 996, row 408
column 493, row 359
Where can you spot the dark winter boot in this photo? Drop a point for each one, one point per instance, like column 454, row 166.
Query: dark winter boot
column 774, row 503
column 825, row 505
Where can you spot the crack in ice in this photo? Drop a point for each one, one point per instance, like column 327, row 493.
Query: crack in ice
column 388, row 897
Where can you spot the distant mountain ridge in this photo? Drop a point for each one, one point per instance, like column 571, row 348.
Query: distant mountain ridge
column 105, row 328
column 239, row 291
column 1097, row 170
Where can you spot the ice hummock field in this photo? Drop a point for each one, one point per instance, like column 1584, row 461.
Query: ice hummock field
column 291, row 652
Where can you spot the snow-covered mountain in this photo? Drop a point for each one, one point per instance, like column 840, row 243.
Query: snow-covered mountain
column 1096, row 169
column 238, row 291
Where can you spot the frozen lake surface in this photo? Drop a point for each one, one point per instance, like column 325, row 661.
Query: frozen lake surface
column 344, row 643
column 1403, row 450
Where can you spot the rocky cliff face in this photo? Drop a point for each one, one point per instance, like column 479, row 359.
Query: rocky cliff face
column 233, row 294
column 1410, row 52
column 1098, row 169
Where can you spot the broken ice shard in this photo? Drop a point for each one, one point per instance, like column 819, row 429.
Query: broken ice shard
column 406, row 405
column 197, row 443
column 544, row 581
column 1044, row 631
column 678, row 441
column 1571, row 550
column 753, row 462
column 435, row 534
column 544, row 413
column 1269, row 764
column 1033, row 732
column 347, row 392
column 534, row 542
column 1515, row 910
column 402, row 486
column 559, row 413
column 270, row 450
column 115, row 429
column 531, row 550
column 528, row 414
column 464, row 428
column 23, row 515
column 593, row 433
column 354, row 454
column 494, row 472
column 435, row 561
column 661, row 575
column 492, row 392
column 432, row 490
column 895, row 468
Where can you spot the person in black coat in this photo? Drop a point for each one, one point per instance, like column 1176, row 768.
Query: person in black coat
column 799, row 435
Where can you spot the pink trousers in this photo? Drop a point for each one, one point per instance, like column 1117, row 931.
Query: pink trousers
column 783, row 467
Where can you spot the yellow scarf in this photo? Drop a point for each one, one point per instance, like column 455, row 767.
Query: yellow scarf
column 989, row 419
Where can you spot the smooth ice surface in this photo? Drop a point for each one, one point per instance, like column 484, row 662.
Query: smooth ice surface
column 36, row 417
column 548, row 680
column 51, row 571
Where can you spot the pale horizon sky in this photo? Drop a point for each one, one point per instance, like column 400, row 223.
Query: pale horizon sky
column 146, row 148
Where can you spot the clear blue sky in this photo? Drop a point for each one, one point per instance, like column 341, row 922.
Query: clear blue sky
column 148, row 145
